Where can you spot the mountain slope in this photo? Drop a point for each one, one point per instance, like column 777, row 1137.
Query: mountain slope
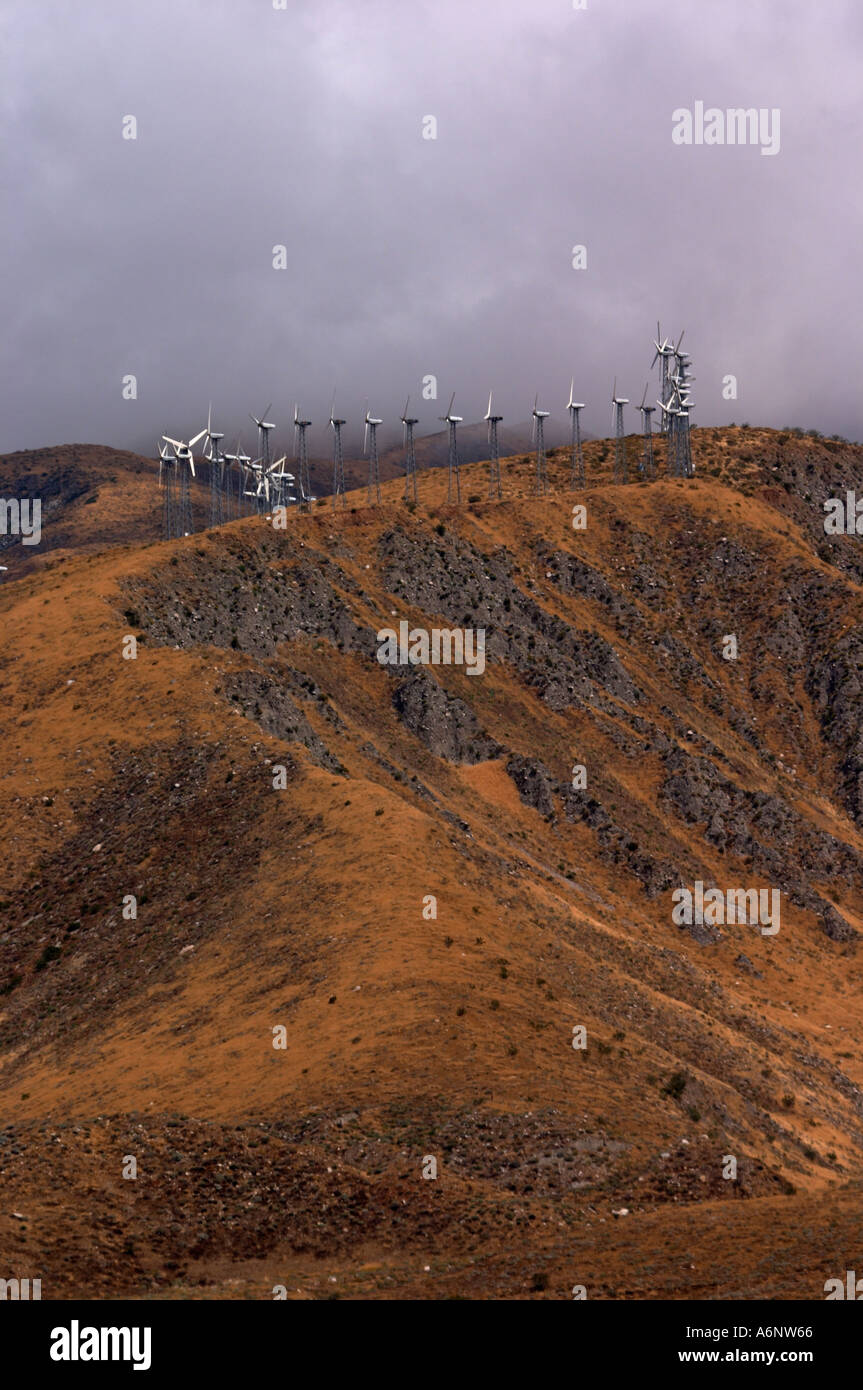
column 410, row 1036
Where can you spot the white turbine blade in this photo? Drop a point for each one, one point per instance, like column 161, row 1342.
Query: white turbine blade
column 366, row 435
column 405, row 411
column 644, row 397
column 451, row 399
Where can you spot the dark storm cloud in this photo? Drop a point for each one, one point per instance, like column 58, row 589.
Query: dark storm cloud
column 406, row 256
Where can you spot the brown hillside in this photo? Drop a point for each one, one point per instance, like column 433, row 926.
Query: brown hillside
column 303, row 907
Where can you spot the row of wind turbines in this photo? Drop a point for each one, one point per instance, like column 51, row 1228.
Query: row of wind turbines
column 240, row 484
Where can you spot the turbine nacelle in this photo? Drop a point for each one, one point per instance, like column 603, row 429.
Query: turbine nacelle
column 183, row 451
column 371, row 425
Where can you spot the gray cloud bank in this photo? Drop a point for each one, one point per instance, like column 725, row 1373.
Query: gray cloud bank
column 406, row 256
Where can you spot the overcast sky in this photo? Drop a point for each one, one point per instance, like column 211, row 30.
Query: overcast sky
column 303, row 127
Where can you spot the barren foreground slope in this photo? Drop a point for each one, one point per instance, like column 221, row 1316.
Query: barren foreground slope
column 301, row 900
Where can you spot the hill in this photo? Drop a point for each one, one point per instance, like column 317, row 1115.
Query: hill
column 394, row 866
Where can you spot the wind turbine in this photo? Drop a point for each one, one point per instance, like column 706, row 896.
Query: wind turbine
column 664, row 351
column 182, row 451
column 537, row 435
column 282, row 481
column 302, row 455
column 212, row 436
column 370, row 446
column 185, row 459
column 576, row 455
column 453, row 483
column 213, row 453
column 662, row 345
column 494, row 487
column 408, row 422
column 621, row 471
column 647, row 466
column 338, row 457
column 680, row 403
column 264, row 426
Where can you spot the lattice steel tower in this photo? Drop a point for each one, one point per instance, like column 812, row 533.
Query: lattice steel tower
column 621, row 467
column 647, row 466
column 370, row 443
column 408, row 422
column 494, row 487
column 453, row 490
column 682, row 381
column 302, row 453
column 338, row 459
column 669, row 413
column 216, row 508
column 243, row 470
column 539, row 419
column 215, row 459
column 264, row 427
column 184, row 504
column 664, row 352
column 167, row 464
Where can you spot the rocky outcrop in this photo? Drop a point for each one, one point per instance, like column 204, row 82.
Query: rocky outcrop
column 447, row 726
